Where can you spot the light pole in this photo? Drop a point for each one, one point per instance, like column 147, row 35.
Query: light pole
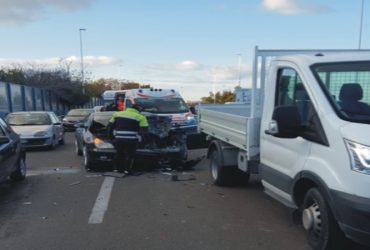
column 361, row 20
column 239, row 67
column 82, row 62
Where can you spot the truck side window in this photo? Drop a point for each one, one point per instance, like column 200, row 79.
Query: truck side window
column 291, row 91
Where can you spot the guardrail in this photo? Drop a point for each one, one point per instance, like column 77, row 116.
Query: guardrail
column 15, row 97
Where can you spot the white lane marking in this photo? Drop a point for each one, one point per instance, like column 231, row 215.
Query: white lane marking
column 102, row 201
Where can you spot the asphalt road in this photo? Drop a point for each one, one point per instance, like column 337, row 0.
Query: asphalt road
column 61, row 206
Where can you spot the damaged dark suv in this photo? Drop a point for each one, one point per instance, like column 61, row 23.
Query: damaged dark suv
column 162, row 142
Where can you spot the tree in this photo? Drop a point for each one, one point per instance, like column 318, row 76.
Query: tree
column 221, row 97
column 58, row 80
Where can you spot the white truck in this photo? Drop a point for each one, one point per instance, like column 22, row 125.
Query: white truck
column 309, row 139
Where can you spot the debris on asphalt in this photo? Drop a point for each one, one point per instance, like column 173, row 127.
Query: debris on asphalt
column 175, row 177
column 45, row 218
column 166, row 173
column 93, row 175
column 203, row 184
column 221, row 194
column 27, row 203
column 74, row 183
column 114, row 174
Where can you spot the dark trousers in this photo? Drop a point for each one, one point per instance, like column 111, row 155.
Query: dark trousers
column 125, row 155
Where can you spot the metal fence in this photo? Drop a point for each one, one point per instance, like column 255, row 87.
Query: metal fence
column 15, row 97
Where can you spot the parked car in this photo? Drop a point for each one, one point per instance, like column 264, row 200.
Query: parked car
column 92, row 140
column 37, row 129
column 12, row 154
column 74, row 116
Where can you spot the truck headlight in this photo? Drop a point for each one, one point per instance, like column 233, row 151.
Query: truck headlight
column 360, row 156
column 99, row 143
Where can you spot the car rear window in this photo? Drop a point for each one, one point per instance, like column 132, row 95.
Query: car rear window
column 28, row 119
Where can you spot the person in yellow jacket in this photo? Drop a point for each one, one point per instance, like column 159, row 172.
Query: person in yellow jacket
column 125, row 128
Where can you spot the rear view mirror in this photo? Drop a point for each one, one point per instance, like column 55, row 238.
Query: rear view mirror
column 192, row 110
column 286, row 122
column 4, row 140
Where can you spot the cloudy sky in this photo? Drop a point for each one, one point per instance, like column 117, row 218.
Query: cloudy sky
column 189, row 45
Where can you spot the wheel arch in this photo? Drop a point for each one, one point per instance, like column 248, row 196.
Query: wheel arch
column 215, row 145
column 307, row 180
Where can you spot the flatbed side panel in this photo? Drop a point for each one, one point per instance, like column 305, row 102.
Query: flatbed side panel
column 226, row 127
column 254, row 138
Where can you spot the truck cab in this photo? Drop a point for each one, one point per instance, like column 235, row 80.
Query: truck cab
column 320, row 108
column 307, row 140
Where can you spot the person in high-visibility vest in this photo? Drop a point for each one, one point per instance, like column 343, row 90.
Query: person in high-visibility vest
column 120, row 104
column 125, row 127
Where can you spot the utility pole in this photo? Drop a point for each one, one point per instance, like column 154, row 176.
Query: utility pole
column 82, row 62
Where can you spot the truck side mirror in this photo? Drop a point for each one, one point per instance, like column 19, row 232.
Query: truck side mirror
column 286, row 122
column 192, row 110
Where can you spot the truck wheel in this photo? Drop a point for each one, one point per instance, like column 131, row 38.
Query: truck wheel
column 323, row 231
column 218, row 173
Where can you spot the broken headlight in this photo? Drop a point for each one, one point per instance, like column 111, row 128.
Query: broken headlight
column 99, row 143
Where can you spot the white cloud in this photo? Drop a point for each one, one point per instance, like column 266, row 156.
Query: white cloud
column 16, row 12
column 89, row 61
column 292, row 7
column 190, row 73
column 186, row 65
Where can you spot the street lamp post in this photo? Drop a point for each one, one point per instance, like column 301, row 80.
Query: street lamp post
column 361, row 21
column 82, row 62
column 239, row 67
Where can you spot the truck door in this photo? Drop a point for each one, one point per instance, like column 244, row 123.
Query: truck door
column 282, row 158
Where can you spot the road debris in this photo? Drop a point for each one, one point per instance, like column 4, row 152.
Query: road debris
column 115, row 174
column 93, row 175
column 74, row 183
column 27, row 203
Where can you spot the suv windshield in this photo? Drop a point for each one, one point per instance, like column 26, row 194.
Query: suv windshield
column 347, row 86
column 163, row 106
column 28, row 119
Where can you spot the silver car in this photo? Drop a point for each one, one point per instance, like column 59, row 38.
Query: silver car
column 37, row 128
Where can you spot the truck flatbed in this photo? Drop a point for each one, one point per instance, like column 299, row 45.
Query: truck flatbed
column 231, row 123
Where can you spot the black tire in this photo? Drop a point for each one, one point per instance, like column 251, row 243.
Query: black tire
column 226, row 176
column 86, row 159
column 220, row 175
column 77, row 149
column 323, row 233
column 20, row 173
column 62, row 141
column 53, row 144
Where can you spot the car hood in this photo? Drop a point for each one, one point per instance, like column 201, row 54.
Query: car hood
column 74, row 118
column 30, row 130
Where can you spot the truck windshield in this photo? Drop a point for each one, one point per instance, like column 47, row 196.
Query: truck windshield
column 163, row 106
column 347, row 86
